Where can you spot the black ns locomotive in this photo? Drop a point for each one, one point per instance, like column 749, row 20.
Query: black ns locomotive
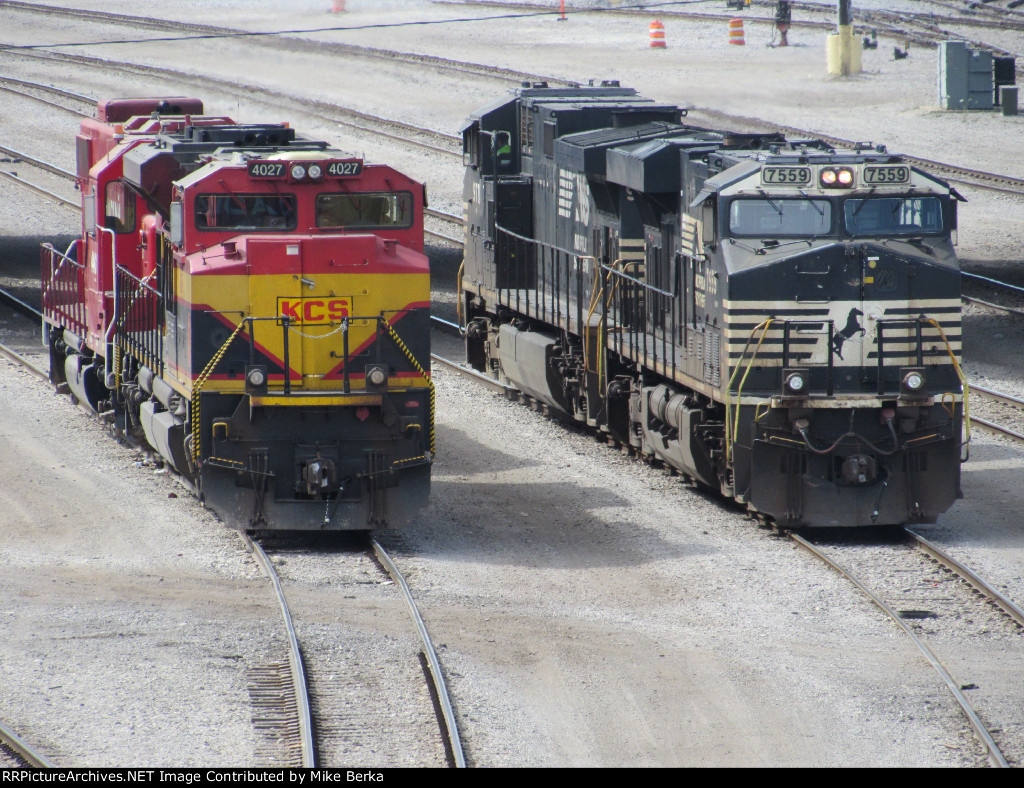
column 775, row 318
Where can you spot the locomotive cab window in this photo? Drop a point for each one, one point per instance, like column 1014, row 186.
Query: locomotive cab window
column 119, row 208
column 774, row 217
column 274, row 212
column 503, row 152
column 364, row 210
column 471, row 147
column 894, row 216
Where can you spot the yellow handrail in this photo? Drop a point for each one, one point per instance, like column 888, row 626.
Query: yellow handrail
column 198, row 385
column 730, row 429
column 412, row 359
column 963, row 379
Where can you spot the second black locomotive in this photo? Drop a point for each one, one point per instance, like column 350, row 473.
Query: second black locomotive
column 777, row 318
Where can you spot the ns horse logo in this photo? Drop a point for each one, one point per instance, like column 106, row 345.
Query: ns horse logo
column 849, row 331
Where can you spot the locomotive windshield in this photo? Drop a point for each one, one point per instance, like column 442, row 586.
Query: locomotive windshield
column 364, row 210
column 893, row 216
column 774, row 217
column 245, row 212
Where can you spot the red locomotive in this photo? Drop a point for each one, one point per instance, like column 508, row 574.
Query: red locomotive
column 255, row 306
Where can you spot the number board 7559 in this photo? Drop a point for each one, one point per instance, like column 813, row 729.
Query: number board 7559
column 786, row 176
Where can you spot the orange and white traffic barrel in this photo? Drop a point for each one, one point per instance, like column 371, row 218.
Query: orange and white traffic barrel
column 736, row 32
column 657, row 35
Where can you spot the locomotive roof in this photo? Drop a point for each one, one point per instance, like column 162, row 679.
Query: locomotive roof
column 654, row 166
column 542, row 95
column 586, row 151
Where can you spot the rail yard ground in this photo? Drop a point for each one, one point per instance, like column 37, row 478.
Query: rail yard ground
column 594, row 611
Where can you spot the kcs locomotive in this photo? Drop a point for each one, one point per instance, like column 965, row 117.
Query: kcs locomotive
column 775, row 318
column 255, row 305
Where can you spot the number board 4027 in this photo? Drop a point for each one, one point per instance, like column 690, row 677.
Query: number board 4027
column 350, row 168
column 786, row 176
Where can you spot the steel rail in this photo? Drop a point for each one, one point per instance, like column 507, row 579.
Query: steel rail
column 968, row 576
column 24, row 308
column 444, row 216
column 43, row 165
column 449, row 238
column 999, row 396
column 995, row 755
column 14, row 743
column 1002, row 396
column 298, row 670
column 982, row 180
column 988, row 304
column 63, row 92
column 996, row 282
column 472, row 374
column 279, row 41
column 39, row 190
column 991, row 426
column 20, row 359
column 39, row 99
column 440, row 687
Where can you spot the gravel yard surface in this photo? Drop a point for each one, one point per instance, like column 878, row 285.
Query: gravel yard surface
column 593, row 611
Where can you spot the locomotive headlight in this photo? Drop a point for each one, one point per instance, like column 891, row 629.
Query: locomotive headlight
column 256, row 377
column 795, row 381
column 376, row 376
column 836, row 178
column 298, row 172
column 315, row 171
column 912, row 381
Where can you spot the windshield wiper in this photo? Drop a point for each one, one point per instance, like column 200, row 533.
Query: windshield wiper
column 863, row 202
column 818, row 208
column 769, row 200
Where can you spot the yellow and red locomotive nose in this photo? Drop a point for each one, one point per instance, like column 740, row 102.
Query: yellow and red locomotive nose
column 309, row 299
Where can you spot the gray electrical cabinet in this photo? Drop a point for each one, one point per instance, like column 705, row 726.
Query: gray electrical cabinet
column 965, row 77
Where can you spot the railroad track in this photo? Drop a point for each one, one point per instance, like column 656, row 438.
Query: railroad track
column 920, row 588
column 989, row 596
column 20, row 754
column 1005, row 399
column 446, row 143
column 919, row 29
column 12, row 157
column 313, row 736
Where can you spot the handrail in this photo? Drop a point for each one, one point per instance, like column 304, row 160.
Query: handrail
column 109, row 378
column 430, row 383
column 730, row 431
column 963, row 383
